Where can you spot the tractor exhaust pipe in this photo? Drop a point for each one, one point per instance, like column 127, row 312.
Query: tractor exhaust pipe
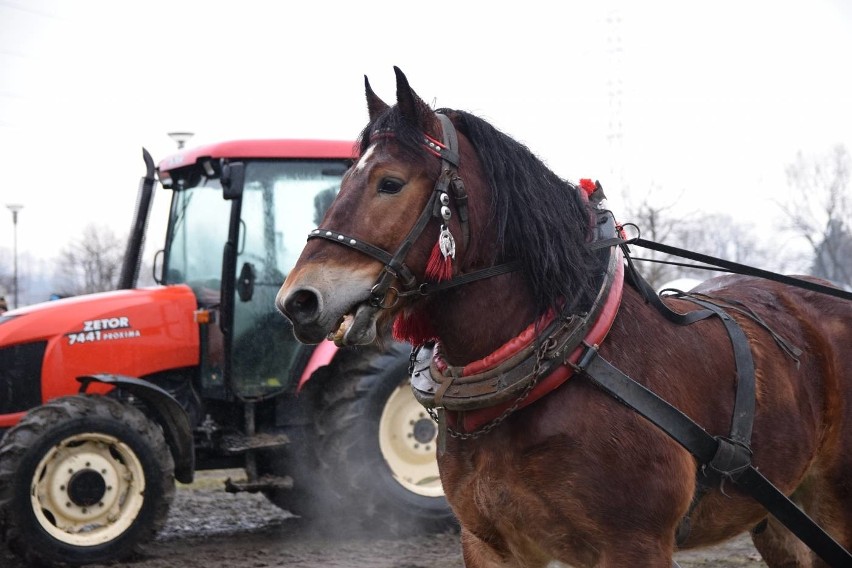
column 135, row 242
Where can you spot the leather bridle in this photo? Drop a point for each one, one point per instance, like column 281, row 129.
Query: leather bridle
column 448, row 185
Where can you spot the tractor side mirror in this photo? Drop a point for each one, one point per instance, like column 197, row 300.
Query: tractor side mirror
column 233, row 180
column 245, row 282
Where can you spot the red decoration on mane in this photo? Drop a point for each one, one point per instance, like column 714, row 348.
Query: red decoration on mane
column 588, row 186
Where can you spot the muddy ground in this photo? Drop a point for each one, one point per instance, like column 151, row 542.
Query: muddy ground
column 209, row 528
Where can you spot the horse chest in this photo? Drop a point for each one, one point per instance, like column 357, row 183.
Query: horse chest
column 508, row 500
column 483, row 483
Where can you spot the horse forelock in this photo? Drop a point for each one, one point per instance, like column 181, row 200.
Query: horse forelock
column 407, row 136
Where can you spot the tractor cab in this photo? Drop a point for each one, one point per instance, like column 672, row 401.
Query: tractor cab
column 238, row 221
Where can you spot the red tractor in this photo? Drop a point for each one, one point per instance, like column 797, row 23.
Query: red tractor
column 107, row 399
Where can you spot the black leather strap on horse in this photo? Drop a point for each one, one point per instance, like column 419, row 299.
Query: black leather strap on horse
column 729, row 459
column 450, row 162
column 635, row 278
column 742, row 419
column 727, row 265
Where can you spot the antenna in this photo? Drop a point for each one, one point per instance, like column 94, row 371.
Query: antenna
column 615, row 142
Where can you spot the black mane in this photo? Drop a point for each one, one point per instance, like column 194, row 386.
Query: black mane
column 540, row 218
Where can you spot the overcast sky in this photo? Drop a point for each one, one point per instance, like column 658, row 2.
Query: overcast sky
column 706, row 101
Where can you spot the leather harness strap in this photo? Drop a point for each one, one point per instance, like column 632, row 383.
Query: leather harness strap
column 729, row 459
column 742, row 420
column 727, row 265
column 719, row 458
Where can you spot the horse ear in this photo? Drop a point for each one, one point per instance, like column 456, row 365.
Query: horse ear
column 375, row 105
column 412, row 107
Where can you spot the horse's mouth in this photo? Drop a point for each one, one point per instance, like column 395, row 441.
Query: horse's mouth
column 356, row 327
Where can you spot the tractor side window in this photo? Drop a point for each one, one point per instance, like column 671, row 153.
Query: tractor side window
column 282, row 202
column 199, row 228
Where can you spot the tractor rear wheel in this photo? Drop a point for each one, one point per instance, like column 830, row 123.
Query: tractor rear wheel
column 376, row 446
column 83, row 479
column 367, row 459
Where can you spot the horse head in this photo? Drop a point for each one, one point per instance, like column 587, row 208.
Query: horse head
column 438, row 199
column 365, row 263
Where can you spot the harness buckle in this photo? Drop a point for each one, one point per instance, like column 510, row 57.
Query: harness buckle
column 586, row 358
column 731, row 459
column 379, row 295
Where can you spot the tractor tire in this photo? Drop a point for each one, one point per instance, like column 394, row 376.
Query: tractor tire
column 376, row 447
column 83, row 479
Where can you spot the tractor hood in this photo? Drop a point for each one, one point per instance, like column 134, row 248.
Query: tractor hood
column 104, row 311
column 127, row 332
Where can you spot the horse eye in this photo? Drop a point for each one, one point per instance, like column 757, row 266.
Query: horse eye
column 390, row 185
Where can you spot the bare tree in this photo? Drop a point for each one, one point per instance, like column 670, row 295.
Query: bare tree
column 91, row 263
column 819, row 211
column 712, row 234
column 657, row 223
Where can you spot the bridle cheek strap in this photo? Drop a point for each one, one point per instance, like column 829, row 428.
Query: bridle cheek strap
column 449, row 173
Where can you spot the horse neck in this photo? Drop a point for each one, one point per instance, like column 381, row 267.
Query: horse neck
column 476, row 319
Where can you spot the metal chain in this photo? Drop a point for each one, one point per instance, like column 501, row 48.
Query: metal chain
column 539, row 357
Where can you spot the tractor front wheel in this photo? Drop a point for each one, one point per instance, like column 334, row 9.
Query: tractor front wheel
column 83, row 479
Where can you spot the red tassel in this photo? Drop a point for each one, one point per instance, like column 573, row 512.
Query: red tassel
column 413, row 328
column 439, row 267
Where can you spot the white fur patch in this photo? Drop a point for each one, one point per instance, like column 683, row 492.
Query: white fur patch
column 362, row 163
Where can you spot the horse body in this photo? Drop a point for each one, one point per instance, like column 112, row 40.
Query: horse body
column 592, row 483
column 576, row 476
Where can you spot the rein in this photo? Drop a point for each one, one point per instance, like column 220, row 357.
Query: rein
column 437, row 207
column 727, row 265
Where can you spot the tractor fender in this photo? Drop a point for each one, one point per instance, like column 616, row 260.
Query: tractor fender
column 321, row 356
column 166, row 410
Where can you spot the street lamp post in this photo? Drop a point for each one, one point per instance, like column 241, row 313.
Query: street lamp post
column 181, row 138
column 14, row 208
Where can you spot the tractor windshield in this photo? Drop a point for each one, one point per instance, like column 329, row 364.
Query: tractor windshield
column 282, row 201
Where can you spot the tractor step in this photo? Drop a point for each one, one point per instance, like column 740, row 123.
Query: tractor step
column 239, row 443
column 264, row 482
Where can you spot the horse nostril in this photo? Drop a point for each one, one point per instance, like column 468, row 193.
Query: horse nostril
column 302, row 306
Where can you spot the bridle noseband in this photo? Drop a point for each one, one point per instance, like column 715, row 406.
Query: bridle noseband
column 448, row 185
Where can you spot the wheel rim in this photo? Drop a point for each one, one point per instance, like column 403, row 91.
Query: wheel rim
column 407, row 438
column 88, row 489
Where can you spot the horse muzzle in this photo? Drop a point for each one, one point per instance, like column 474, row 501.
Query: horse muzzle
column 304, row 308
column 344, row 320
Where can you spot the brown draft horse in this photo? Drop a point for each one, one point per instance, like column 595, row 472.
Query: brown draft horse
column 575, row 476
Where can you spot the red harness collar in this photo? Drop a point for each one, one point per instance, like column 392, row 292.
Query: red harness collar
column 468, row 421
column 483, row 393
